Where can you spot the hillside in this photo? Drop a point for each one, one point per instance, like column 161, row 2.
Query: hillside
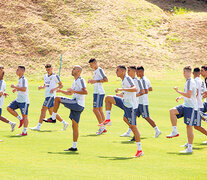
column 33, row 32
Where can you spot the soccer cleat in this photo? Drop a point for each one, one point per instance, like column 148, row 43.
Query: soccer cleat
column 35, row 128
column 1, row 140
column 173, row 134
column 65, row 126
column 186, row 151
column 185, row 145
column 71, row 149
column 157, row 133
column 106, row 122
column 125, row 135
column 104, row 131
column 139, row 153
column 21, row 122
column 203, row 115
column 100, row 131
column 132, row 139
column 204, row 142
column 22, row 134
column 13, row 126
column 50, row 120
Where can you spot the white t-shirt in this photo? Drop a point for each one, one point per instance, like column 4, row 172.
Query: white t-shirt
column 129, row 97
column 201, row 89
column 22, row 97
column 192, row 101
column 98, row 74
column 78, row 85
column 50, row 83
column 2, row 89
column 146, row 85
column 139, row 87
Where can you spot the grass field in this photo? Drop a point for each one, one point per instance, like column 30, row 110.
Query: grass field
column 40, row 155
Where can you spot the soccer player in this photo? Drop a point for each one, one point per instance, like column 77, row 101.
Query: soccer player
column 186, row 110
column 128, row 103
column 22, row 100
column 140, row 91
column 204, row 75
column 76, row 105
column 2, row 94
column 144, row 101
column 99, row 77
column 50, row 85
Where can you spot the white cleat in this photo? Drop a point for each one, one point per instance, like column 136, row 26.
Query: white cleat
column 65, row 126
column 35, row 128
column 187, row 151
column 185, row 145
column 173, row 134
column 157, row 134
column 204, row 142
column 125, row 135
column 100, row 131
column 13, row 126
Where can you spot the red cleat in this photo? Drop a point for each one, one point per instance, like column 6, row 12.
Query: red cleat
column 21, row 122
column 22, row 134
column 106, row 122
column 104, row 131
column 139, row 153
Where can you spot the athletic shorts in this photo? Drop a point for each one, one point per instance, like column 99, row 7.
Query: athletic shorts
column 75, row 108
column 143, row 110
column 98, row 100
column 129, row 113
column 0, row 111
column 188, row 114
column 205, row 107
column 49, row 102
column 197, row 121
column 22, row 106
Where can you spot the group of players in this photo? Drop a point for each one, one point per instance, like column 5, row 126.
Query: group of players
column 132, row 99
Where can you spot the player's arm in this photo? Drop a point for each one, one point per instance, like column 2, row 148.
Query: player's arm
column 188, row 94
column 120, row 94
column 141, row 92
column 82, row 92
column 15, row 88
column 178, row 98
column 131, row 89
column 41, row 87
column 68, row 92
column 205, row 94
column 150, row 89
column 1, row 93
column 92, row 81
column 60, row 86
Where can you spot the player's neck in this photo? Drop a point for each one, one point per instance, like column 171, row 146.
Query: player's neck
column 96, row 67
column 122, row 76
column 21, row 75
column 49, row 74
column 76, row 77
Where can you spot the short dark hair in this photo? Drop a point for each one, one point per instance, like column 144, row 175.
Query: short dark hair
column 92, row 60
column 140, row 68
column 204, row 67
column 187, row 68
column 133, row 67
column 21, row 67
column 48, row 66
column 121, row 67
column 196, row 70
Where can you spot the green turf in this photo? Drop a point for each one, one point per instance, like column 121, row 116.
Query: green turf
column 40, row 155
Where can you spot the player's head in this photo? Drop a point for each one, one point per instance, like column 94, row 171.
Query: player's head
column 204, row 71
column 76, row 71
column 132, row 71
column 20, row 70
column 196, row 72
column 48, row 68
column 93, row 63
column 140, row 71
column 120, row 71
column 1, row 72
column 187, row 72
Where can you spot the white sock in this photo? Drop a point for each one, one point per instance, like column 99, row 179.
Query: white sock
column 190, row 146
column 108, row 114
column 64, row 122
column 39, row 125
column 54, row 115
column 11, row 123
column 19, row 117
column 74, row 145
column 129, row 131
column 156, row 128
column 139, row 146
column 24, row 130
column 175, row 129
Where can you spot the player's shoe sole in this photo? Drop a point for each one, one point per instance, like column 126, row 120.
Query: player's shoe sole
column 125, row 135
column 35, row 129
column 186, row 151
column 13, row 126
column 50, row 120
column 22, row 134
column 172, row 136
column 106, row 122
column 138, row 154
column 71, row 149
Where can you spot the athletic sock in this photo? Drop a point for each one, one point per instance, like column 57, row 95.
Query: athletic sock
column 19, row 117
column 39, row 125
column 108, row 114
column 175, row 129
column 64, row 122
column 24, row 130
column 74, row 145
column 54, row 115
column 139, row 146
column 190, row 147
column 129, row 131
column 11, row 123
column 156, row 128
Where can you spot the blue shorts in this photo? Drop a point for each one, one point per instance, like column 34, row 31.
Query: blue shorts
column 98, row 100
column 205, row 107
column 143, row 110
column 0, row 111
column 129, row 113
column 23, row 106
column 197, row 121
column 188, row 114
column 49, row 102
column 75, row 108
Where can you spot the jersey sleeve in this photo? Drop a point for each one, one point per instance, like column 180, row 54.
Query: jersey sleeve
column 189, row 86
column 130, row 82
column 24, row 83
column 103, row 75
column 149, row 83
column 139, row 84
column 82, row 83
column 57, row 79
column 144, row 84
column 2, row 86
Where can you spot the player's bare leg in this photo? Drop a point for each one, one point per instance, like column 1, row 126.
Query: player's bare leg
column 173, row 119
column 9, row 122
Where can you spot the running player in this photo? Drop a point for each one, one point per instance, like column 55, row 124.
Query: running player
column 186, row 110
column 50, row 85
column 2, row 94
column 22, row 100
column 128, row 103
column 99, row 77
column 140, row 91
column 76, row 105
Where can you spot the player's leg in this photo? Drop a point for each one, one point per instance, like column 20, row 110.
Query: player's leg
column 7, row 121
column 190, row 140
column 24, row 110
column 128, row 133
column 201, row 129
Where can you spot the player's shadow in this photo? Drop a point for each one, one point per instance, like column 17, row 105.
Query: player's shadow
column 42, row 131
column 65, row 153
column 14, row 136
column 115, row 158
column 180, row 154
column 89, row 135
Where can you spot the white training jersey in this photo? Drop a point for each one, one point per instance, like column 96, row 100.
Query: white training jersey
column 146, row 85
column 139, row 87
column 2, row 89
column 129, row 97
column 98, row 74
column 22, row 97
column 192, row 101
column 50, row 82
column 201, row 89
column 78, row 85
column 206, row 87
